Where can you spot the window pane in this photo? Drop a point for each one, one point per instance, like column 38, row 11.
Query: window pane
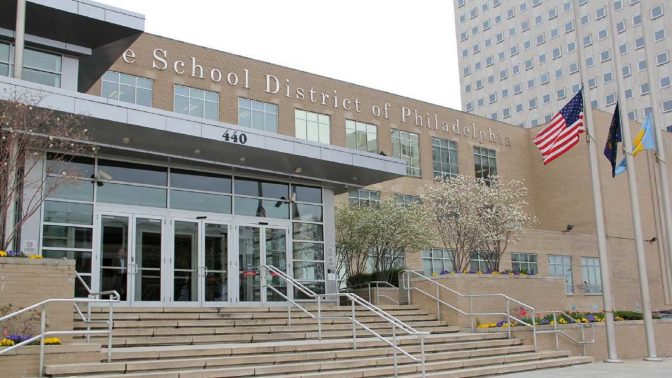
column 67, row 237
column 41, row 60
column 213, row 203
column 308, row 270
column 68, row 212
column 311, row 213
column 308, row 251
column 82, row 258
column 132, row 195
column 307, row 194
column 306, row 231
column 200, row 181
column 78, row 190
column 131, row 172
column 261, row 208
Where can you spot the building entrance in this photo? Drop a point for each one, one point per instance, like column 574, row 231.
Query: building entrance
column 157, row 260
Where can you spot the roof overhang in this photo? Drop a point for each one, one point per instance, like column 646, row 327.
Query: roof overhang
column 138, row 130
column 106, row 30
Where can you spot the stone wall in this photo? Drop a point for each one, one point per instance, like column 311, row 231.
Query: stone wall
column 24, row 282
column 542, row 293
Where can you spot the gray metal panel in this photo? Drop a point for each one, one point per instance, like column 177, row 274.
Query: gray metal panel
column 101, row 110
column 91, row 11
column 145, row 119
column 342, row 157
column 281, row 146
column 307, row 150
column 183, row 126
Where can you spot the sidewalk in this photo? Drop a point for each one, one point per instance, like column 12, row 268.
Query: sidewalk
column 628, row 369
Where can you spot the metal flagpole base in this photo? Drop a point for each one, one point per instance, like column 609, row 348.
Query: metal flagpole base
column 653, row 359
column 613, row 361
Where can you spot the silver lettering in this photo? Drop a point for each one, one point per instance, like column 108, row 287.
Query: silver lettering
column 129, row 56
column 160, row 55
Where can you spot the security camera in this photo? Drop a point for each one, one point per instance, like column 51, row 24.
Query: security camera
column 102, row 175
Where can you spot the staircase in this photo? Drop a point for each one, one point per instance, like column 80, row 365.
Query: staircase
column 243, row 342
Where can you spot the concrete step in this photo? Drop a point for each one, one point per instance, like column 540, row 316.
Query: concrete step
column 432, row 342
column 231, row 309
column 361, row 367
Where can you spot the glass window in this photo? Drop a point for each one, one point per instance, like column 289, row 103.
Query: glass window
column 437, row 261
column 41, row 67
column 307, row 231
column 662, row 58
column 361, row 136
column 659, row 35
column 307, row 194
column 364, row 197
column 311, row 126
column 127, row 88
column 561, row 266
column 131, row 172
column 257, row 207
column 196, row 102
column 257, row 188
column 407, row 199
column 204, row 181
column 656, row 12
column 592, row 281
column 637, row 20
column 78, row 190
column 485, row 162
column 477, row 263
column 4, row 59
column 444, row 158
column 132, row 195
column 67, row 237
column 524, row 263
column 665, row 82
column 406, row 145
column 68, row 212
column 305, row 212
column 214, row 203
column 258, row 115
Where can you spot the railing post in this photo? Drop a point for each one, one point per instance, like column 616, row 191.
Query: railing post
column 555, row 330
column 471, row 313
column 422, row 355
column 88, row 320
column 354, row 326
column 109, row 331
column 289, row 313
column 534, row 330
column 438, row 304
column 508, row 316
column 394, row 343
column 319, row 318
column 369, row 284
column 43, row 329
column 583, row 338
column 408, row 288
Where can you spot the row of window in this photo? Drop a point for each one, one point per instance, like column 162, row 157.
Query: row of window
column 600, row 13
column 440, row 261
column 38, row 66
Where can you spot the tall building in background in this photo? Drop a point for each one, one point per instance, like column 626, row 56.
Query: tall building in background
column 519, row 60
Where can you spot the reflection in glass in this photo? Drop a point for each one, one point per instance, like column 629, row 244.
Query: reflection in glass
column 214, row 203
column 147, row 259
column 70, row 165
column 132, row 195
column 307, row 194
column 135, row 173
column 115, row 262
column 67, row 237
column 316, row 287
column 308, row 251
column 310, row 213
column 308, row 270
column 256, row 188
column 262, row 208
column 216, row 262
column 208, row 182
column 307, row 231
column 276, row 255
column 79, row 190
column 249, row 260
column 68, row 212
column 185, row 268
column 82, row 258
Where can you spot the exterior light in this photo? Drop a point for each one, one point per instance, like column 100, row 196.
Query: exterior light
column 298, row 170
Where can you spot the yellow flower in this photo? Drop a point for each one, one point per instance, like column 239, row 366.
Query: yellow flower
column 52, row 341
column 3, row 254
column 495, row 273
column 618, row 319
column 562, row 321
column 35, row 257
column 6, row 342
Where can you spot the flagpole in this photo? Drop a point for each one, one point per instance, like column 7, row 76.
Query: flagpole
column 634, row 202
column 660, row 147
column 607, row 300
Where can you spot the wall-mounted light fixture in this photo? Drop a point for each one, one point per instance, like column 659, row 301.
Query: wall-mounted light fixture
column 570, row 227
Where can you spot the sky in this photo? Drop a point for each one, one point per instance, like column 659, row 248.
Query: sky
column 403, row 47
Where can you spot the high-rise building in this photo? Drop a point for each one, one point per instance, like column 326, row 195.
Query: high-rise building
column 520, row 60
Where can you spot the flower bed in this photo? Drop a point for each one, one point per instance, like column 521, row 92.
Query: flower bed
column 570, row 318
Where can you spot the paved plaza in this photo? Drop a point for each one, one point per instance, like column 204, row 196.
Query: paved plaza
column 629, row 368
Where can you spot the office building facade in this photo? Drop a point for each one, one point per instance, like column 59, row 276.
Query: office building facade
column 519, row 60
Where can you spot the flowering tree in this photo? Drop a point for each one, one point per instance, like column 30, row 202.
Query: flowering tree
column 503, row 219
column 27, row 132
column 455, row 205
column 472, row 214
column 379, row 235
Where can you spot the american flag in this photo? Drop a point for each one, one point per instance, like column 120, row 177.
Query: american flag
column 562, row 133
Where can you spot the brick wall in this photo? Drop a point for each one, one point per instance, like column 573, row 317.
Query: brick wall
column 24, row 282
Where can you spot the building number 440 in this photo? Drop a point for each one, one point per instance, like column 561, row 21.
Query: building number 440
column 235, row 137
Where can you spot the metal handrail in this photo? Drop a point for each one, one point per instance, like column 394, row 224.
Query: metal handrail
column 377, row 287
column 405, row 281
column 557, row 331
column 42, row 306
column 354, row 299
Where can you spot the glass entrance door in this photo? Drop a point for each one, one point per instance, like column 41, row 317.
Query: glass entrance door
column 130, row 257
column 259, row 245
column 200, row 262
